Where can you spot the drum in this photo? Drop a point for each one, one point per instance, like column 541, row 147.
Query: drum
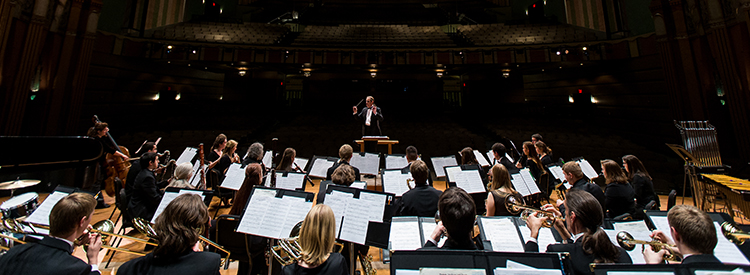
column 20, row 206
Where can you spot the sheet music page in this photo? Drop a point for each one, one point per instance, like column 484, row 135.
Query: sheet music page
column 519, row 185
column 268, row 159
column 295, row 210
column 726, row 251
column 260, row 206
column 557, row 171
column 338, row 201
column 636, row 254
column 661, row 223
column 367, row 164
column 359, row 185
column 427, row 228
column 544, row 239
column 41, row 214
column 502, row 234
column 395, row 182
column 196, row 174
column 439, row 162
column 187, row 155
column 480, row 158
column 639, row 272
column 529, row 180
column 452, row 173
column 636, row 226
column 291, row 181
column 509, row 158
column 197, row 192
column 168, row 197
column 404, row 234
column 355, row 224
column 470, row 181
column 234, row 177
column 588, row 170
column 320, row 167
column 395, row 162
column 375, row 203
column 490, row 155
column 451, row 271
column 533, row 271
column 301, row 162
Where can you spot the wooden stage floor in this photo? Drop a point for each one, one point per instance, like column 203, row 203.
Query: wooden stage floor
column 119, row 258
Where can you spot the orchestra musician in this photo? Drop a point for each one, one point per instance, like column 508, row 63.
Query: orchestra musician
column 68, row 222
column 316, row 239
column 179, row 250
column 371, row 116
column 146, row 194
column 693, row 235
column 411, row 155
column 99, row 132
column 457, row 213
column 287, row 161
column 228, row 156
column 345, row 155
column 498, row 150
column 467, row 156
column 422, row 200
column 499, row 188
column 536, row 137
column 574, row 176
column 586, row 240
column 619, row 194
column 216, row 150
column 182, row 175
column 532, row 161
column 254, row 155
column 135, row 166
column 641, row 182
column 343, row 175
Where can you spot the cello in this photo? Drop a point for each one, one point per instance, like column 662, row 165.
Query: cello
column 116, row 166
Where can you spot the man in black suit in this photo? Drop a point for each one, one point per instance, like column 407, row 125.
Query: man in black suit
column 457, row 213
column 498, row 150
column 693, row 235
column 371, row 116
column 68, row 221
column 146, row 193
column 422, row 200
column 345, row 153
column 574, row 174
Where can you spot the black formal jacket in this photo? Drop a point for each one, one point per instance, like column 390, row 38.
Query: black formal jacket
column 450, row 245
column 336, row 165
column 508, row 164
column 592, row 188
column 580, row 260
column 197, row 263
column 146, row 195
column 701, row 258
column 334, row 265
column 619, row 199
column 49, row 256
column 135, row 169
column 644, row 191
column 375, row 119
column 421, row 201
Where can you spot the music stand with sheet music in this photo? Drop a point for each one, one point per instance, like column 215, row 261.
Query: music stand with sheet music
column 439, row 162
column 41, row 213
column 290, row 180
column 470, row 179
column 367, row 163
column 524, row 183
column 586, row 167
column 187, row 155
column 395, row 181
column 319, row 166
column 665, row 269
column 396, row 161
column 173, row 192
column 414, row 260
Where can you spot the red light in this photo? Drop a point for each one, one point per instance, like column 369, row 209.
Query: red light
column 533, row 6
column 169, row 88
column 214, row 4
column 580, row 91
column 282, row 83
column 464, row 84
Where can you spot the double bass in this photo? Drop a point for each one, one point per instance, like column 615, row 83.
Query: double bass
column 115, row 165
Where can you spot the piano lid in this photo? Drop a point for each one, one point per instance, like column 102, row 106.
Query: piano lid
column 47, row 152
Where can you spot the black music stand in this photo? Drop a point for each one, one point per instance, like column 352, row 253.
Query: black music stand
column 487, row 260
column 690, row 163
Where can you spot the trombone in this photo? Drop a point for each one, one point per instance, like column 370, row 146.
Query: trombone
column 514, row 205
column 627, row 242
column 734, row 234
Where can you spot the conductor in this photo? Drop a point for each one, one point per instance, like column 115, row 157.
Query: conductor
column 371, row 116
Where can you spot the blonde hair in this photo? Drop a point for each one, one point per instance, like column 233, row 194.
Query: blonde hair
column 500, row 178
column 345, row 152
column 317, row 235
column 231, row 144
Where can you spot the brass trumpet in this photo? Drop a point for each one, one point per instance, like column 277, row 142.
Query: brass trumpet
column 626, row 241
column 514, row 205
column 734, row 234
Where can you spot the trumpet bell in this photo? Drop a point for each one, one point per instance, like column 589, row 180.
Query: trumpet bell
column 733, row 233
column 512, row 203
column 625, row 240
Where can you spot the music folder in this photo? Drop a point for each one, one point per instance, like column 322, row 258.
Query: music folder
column 319, row 166
column 290, row 180
column 273, row 212
column 394, row 181
column 362, row 216
column 367, row 163
column 467, row 177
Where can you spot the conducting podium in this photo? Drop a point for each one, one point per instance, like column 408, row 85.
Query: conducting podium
column 370, row 141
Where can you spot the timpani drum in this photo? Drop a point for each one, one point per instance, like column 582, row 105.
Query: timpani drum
column 20, row 206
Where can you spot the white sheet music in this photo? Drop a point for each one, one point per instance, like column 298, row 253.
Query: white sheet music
column 374, row 201
column 639, row 230
column 509, row 158
column 502, row 234
column 395, row 162
column 268, row 159
column 519, row 184
column 187, row 155
column 450, row 173
column 367, row 164
column 196, row 174
column 272, row 217
column 405, row 234
column 395, row 182
column 490, row 155
column 338, row 201
column 636, row 254
column 557, row 171
column 529, row 180
column 544, row 239
column 635, row 226
column 234, row 177
column 355, row 223
column 168, row 197
column 661, row 223
column 641, row 273
column 320, row 167
column 470, row 181
column 439, row 162
column 588, row 170
column 291, row 181
column 301, row 162
column 480, row 158
column 427, row 228
column 359, row 185
column 726, row 251
column 41, row 214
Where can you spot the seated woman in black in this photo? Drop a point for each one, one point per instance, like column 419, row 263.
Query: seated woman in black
column 287, row 161
column 467, row 156
column 589, row 242
column 500, row 187
column 179, row 250
column 619, row 194
column 457, row 211
column 316, row 239
column 532, row 162
column 641, row 182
